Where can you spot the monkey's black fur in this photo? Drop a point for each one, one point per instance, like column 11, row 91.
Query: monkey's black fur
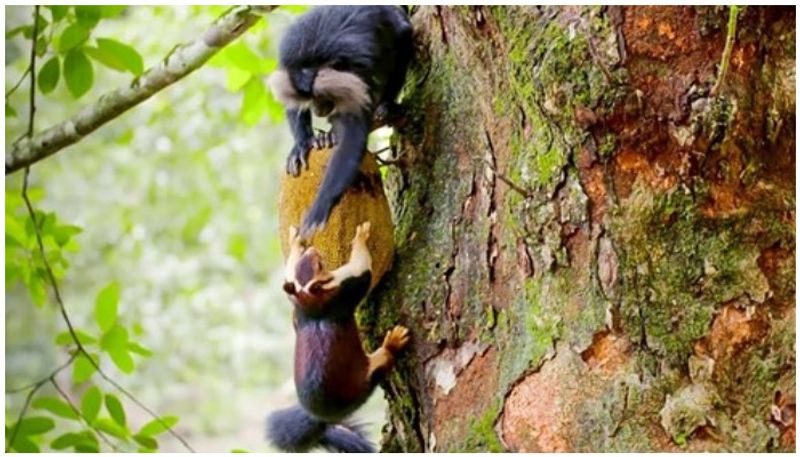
column 375, row 44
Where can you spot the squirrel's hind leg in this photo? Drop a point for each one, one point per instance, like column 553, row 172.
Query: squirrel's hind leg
column 382, row 360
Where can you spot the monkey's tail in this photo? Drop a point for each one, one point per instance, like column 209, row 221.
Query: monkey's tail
column 295, row 430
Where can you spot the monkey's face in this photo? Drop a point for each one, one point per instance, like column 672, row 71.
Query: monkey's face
column 324, row 90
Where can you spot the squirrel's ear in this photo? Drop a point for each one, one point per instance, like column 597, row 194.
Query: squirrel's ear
column 289, row 288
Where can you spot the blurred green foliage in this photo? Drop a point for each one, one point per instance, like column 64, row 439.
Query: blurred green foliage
column 161, row 230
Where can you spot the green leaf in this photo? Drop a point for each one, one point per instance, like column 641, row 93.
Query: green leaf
column 58, row 12
column 88, row 15
column 41, row 46
column 71, row 37
column 49, row 74
column 63, row 233
column 84, row 448
column 27, row 30
column 122, row 359
column 105, row 424
column 10, row 111
column 23, row 444
column 112, row 10
column 90, row 403
column 295, row 9
column 154, row 427
column 241, row 56
column 146, row 441
column 137, row 348
column 15, row 230
column 66, row 440
column 37, row 289
column 115, row 339
column 239, row 451
column 78, row 73
column 82, row 369
column 56, row 406
column 105, row 306
column 38, row 425
column 118, row 56
column 65, row 338
column 236, row 78
column 254, row 101
column 115, row 409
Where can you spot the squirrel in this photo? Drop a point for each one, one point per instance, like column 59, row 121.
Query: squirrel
column 333, row 375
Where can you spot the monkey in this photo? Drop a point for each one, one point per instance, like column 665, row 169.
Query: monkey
column 346, row 63
column 333, row 375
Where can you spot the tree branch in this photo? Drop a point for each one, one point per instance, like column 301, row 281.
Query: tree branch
column 181, row 61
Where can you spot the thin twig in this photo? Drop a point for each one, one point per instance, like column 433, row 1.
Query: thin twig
column 44, row 379
column 16, row 86
column 80, row 414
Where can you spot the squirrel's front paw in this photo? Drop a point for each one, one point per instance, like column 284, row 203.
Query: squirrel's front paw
column 396, row 339
column 362, row 233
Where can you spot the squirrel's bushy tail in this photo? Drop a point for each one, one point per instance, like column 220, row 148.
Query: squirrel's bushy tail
column 294, row 430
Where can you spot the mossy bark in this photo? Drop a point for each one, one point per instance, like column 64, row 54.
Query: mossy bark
column 594, row 250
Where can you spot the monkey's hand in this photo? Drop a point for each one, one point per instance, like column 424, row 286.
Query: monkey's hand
column 388, row 114
column 316, row 217
column 325, row 140
column 298, row 157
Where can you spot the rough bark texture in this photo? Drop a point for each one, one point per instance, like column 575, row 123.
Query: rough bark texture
column 594, row 253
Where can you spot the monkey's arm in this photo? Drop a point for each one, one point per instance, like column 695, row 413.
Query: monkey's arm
column 351, row 131
column 300, row 124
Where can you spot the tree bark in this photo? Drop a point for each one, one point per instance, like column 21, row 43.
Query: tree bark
column 594, row 251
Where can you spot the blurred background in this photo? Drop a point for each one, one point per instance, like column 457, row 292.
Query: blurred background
column 177, row 203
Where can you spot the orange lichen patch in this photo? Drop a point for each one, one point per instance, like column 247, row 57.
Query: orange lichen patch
column 538, row 415
column 608, row 352
column 724, row 200
column 592, row 181
column 532, row 418
column 732, row 330
column 470, row 397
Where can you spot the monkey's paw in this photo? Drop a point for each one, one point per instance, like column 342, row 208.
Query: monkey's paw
column 362, row 233
column 325, row 140
column 396, row 339
column 315, row 219
column 298, row 159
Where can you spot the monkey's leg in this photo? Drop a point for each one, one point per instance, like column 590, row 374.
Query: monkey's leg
column 382, row 360
column 300, row 125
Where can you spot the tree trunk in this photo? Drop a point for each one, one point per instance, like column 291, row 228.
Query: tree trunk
column 594, row 232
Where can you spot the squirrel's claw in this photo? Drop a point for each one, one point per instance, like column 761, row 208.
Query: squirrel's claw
column 396, row 339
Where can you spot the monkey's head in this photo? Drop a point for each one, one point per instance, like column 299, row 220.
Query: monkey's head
column 328, row 72
column 308, row 290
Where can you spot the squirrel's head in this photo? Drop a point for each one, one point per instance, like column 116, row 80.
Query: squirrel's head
column 311, row 276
